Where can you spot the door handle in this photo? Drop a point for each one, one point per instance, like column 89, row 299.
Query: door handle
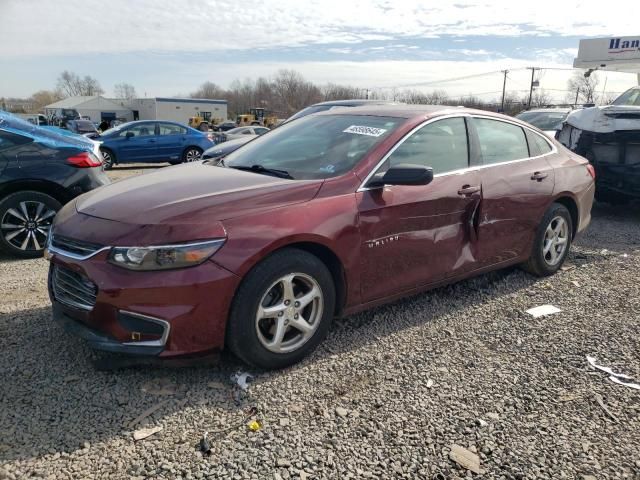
column 539, row 176
column 468, row 190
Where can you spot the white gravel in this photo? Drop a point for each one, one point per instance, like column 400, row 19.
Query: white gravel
column 386, row 396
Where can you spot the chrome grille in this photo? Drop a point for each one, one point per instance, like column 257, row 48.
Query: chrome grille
column 73, row 289
column 75, row 247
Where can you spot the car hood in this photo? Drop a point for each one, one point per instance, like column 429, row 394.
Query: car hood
column 606, row 119
column 192, row 194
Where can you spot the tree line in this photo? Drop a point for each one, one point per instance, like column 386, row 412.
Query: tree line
column 288, row 91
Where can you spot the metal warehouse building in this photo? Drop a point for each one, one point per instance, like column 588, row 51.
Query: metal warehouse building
column 97, row 108
column 177, row 109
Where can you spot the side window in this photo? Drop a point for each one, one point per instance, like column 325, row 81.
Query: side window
column 537, row 144
column 9, row 140
column 441, row 145
column 500, row 141
column 142, row 130
column 170, row 129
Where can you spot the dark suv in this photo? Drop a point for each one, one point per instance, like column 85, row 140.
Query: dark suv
column 40, row 171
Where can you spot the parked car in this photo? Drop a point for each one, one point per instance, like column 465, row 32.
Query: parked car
column 82, row 127
column 224, row 126
column 239, row 132
column 35, row 118
column 609, row 136
column 323, row 106
column 40, row 170
column 221, row 150
column 152, row 141
column 549, row 120
column 328, row 215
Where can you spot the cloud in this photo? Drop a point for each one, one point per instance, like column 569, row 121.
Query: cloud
column 97, row 26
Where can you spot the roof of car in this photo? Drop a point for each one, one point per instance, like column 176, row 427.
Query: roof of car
column 353, row 103
column 404, row 110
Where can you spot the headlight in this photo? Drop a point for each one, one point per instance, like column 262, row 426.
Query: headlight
column 164, row 257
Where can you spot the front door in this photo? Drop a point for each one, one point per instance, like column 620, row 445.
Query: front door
column 417, row 235
column 138, row 143
column 517, row 183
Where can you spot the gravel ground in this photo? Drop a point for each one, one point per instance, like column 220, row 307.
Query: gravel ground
column 386, row 396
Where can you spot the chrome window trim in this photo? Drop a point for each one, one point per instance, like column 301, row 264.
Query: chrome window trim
column 375, row 169
column 554, row 149
column 161, row 342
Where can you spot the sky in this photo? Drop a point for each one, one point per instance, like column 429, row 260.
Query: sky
column 169, row 47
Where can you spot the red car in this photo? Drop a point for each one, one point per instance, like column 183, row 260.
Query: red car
column 328, row 215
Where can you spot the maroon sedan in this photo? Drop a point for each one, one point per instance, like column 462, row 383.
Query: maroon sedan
column 327, row 215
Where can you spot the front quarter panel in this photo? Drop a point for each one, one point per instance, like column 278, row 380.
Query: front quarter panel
column 329, row 221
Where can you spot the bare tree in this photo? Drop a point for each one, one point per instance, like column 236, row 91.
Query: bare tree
column 71, row 85
column 332, row 91
column 293, row 92
column 42, row 98
column 209, row 90
column 541, row 98
column 124, row 91
column 585, row 87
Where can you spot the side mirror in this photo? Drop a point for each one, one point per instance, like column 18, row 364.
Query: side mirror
column 405, row 174
column 128, row 134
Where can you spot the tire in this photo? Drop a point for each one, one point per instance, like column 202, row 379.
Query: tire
column 25, row 221
column 191, row 154
column 251, row 336
column 556, row 225
column 108, row 158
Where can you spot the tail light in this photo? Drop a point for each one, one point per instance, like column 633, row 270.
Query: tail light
column 592, row 171
column 210, row 136
column 84, row 160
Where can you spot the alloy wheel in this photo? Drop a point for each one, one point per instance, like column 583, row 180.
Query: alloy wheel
column 27, row 227
column 107, row 159
column 289, row 313
column 556, row 239
column 193, row 155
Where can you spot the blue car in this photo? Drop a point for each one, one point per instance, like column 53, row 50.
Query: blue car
column 152, row 141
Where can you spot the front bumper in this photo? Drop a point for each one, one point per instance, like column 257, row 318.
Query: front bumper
column 165, row 313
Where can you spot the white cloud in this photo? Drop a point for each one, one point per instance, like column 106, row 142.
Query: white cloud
column 93, row 26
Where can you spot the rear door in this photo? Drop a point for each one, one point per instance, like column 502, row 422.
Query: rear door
column 417, row 235
column 517, row 184
column 172, row 139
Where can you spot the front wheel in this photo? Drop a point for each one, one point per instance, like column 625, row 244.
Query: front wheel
column 25, row 222
column 552, row 242
column 282, row 310
column 192, row 154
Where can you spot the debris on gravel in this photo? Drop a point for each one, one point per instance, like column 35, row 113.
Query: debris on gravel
column 512, row 390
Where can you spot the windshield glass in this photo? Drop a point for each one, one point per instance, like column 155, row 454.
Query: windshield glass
column 316, row 147
column 544, row 120
column 631, row 97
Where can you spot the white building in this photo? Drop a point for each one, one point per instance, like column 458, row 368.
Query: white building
column 177, row 109
column 97, row 108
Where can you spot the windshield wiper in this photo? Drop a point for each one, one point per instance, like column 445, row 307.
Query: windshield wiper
column 264, row 170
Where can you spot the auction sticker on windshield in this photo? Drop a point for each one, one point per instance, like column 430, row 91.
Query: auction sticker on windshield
column 362, row 130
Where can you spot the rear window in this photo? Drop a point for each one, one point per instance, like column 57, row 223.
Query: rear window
column 500, row 141
column 85, row 126
column 537, row 144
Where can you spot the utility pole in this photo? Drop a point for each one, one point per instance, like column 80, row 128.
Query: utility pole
column 533, row 72
column 504, row 86
column 577, row 95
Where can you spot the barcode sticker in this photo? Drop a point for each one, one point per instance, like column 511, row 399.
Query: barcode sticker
column 362, row 130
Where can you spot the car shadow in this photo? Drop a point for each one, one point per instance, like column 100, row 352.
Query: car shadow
column 146, row 166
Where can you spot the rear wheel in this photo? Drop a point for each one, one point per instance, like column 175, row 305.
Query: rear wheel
column 25, row 221
column 108, row 158
column 282, row 310
column 192, row 154
column 552, row 242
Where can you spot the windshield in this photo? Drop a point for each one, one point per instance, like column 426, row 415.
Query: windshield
column 85, row 126
column 631, row 98
column 315, row 147
column 544, row 120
